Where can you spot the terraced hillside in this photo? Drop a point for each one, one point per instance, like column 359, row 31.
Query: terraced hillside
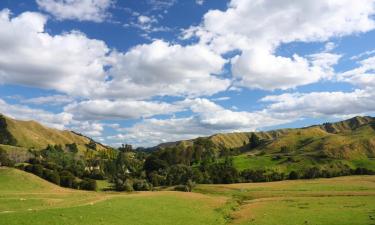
column 30, row 134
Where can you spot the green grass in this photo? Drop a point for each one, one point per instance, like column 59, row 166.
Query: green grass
column 27, row 199
column 161, row 209
column 242, row 162
column 335, row 201
column 104, row 185
column 310, row 210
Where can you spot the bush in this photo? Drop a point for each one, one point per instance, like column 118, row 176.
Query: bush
column 293, row 175
column 37, row 169
column 156, row 179
column 88, row 184
column 4, row 160
column 51, row 176
column 141, row 185
column 97, row 175
column 75, row 184
column 66, row 179
column 313, row 172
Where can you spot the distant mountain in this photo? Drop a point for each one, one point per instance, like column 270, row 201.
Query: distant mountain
column 31, row 134
column 348, row 139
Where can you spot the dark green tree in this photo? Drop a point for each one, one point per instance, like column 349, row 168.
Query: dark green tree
column 254, row 141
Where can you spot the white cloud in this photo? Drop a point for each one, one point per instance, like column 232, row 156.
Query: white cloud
column 73, row 64
column 129, row 109
column 161, row 5
column 208, row 118
column 362, row 76
column 82, row 10
column 49, row 100
column 263, row 70
column 366, row 53
column 199, row 2
column 161, row 68
column 145, row 19
column 322, row 104
column 91, row 129
column 257, row 28
column 59, row 120
column 69, row 63
column 273, row 22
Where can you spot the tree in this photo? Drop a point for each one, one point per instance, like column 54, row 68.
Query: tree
column 126, row 148
column 91, row 145
column 72, row 147
column 4, row 159
column 179, row 174
column 6, row 137
column 51, row 176
column 293, row 175
column 88, row 184
column 66, row 179
column 254, row 141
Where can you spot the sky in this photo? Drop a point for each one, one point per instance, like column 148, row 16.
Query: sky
column 143, row 72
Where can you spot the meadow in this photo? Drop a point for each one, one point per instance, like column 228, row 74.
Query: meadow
column 27, row 199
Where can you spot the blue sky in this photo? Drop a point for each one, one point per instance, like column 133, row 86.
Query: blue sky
column 151, row 71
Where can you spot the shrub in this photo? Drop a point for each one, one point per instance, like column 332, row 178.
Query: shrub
column 141, row 185
column 293, row 175
column 51, row 176
column 88, row 184
column 4, row 160
column 312, row 172
column 156, row 179
column 66, row 179
column 37, row 169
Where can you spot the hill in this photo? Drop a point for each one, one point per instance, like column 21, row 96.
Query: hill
column 31, row 134
column 27, row 199
column 349, row 139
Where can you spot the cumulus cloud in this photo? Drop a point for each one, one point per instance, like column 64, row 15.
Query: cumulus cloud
column 257, row 28
column 322, row 104
column 274, row 22
column 74, row 64
column 161, row 68
column 128, row 109
column 82, row 10
column 69, row 63
column 263, row 70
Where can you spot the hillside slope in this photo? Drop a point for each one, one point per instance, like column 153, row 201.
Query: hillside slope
column 349, row 139
column 30, row 134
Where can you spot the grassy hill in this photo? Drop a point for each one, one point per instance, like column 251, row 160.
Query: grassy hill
column 359, row 128
column 27, row 199
column 30, row 134
column 330, row 146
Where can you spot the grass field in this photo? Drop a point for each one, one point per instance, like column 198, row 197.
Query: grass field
column 27, row 199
